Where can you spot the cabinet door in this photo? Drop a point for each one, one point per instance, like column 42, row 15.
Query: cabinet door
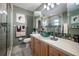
column 32, row 45
column 60, row 53
column 37, row 47
column 52, row 52
column 44, row 49
column 55, row 52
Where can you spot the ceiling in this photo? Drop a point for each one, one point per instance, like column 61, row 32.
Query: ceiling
column 72, row 7
column 28, row 6
column 32, row 6
column 55, row 11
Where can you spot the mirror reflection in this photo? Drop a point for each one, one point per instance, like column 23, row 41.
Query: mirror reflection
column 61, row 21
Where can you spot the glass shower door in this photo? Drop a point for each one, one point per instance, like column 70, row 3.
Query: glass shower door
column 9, row 20
column 5, row 29
column 3, row 26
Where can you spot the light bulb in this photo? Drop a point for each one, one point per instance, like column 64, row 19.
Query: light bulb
column 45, row 6
column 4, row 12
column 52, row 5
column 49, row 4
column 58, row 3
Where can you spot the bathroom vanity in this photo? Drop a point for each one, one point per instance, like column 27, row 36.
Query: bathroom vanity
column 44, row 46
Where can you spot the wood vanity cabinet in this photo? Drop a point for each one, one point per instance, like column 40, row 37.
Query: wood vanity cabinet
column 40, row 48
column 55, row 52
column 37, row 47
column 44, row 49
column 32, row 46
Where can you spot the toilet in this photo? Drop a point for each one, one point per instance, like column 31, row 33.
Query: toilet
column 27, row 41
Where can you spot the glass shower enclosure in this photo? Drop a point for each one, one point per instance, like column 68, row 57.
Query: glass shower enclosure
column 5, row 29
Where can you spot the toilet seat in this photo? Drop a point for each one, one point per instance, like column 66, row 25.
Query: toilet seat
column 27, row 40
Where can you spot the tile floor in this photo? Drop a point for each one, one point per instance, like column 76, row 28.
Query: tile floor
column 21, row 50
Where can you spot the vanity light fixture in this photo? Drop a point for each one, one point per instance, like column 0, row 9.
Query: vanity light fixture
column 58, row 3
column 45, row 6
column 52, row 5
column 49, row 4
column 48, row 8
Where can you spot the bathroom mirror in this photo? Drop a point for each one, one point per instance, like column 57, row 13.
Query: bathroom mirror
column 55, row 18
column 63, row 21
column 73, row 17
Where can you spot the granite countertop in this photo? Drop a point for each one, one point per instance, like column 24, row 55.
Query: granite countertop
column 68, row 47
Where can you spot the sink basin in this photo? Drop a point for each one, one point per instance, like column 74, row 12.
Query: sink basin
column 45, row 34
column 50, row 37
